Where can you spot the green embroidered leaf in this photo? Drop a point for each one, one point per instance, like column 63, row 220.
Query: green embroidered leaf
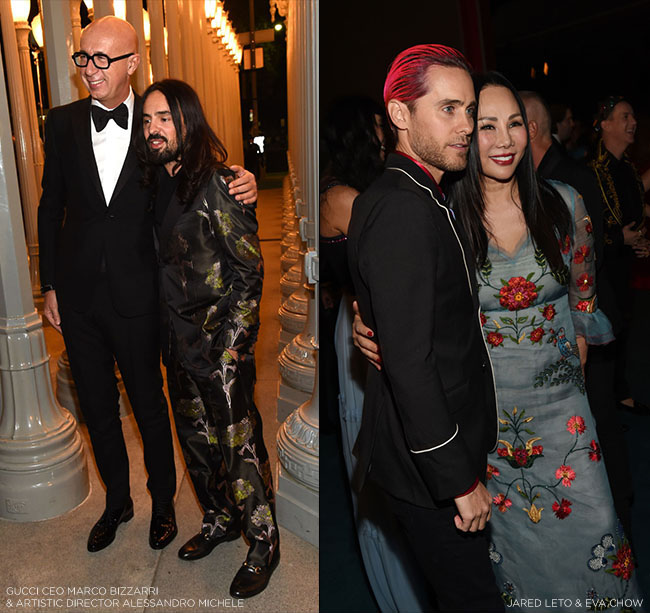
column 513, row 338
column 528, row 431
column 504, row 428
column 530, row 276
column 562, row 276
column 522, row 320
column 507, row 320
column 486, row 269
column 504, row 282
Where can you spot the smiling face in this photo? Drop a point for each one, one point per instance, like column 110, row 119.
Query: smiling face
column 160, row 131
column 112, row 37
column 502, row 134
column 619, row 128
column 437, row 127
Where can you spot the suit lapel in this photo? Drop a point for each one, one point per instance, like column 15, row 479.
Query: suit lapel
column 128, row 168
column 131, row 160
column 86, row 160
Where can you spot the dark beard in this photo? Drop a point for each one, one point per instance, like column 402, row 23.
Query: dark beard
column 164, row 155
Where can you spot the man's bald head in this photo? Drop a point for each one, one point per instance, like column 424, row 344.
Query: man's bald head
column 122, row 32
column 537, row 110
column 114, row 38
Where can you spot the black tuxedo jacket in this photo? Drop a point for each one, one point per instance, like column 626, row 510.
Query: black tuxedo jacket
column 429, row 416
column 79, row 235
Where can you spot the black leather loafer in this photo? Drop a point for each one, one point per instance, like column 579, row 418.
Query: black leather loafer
column 251, row 580
column 103, row 532
column 163, row 525
column 201, row 544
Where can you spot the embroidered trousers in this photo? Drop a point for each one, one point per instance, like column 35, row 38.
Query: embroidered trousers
column 220, row 431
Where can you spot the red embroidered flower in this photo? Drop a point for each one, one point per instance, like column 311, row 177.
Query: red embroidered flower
column 536, row 335
column 483, row 319
column 584, row 282
column 562, row 509
column 565, row 246
column 583, row 306
column 576, row 424
column 502, row 452
column 567, row 474
column 549, row 312
column 624, row 565
column 537, row 450
column 502, row 502
column 517, row 294
column 492, row 471
column 581, row 254
column 589, row 228
column 521, row 456
column 594, row 454
column 494, row 338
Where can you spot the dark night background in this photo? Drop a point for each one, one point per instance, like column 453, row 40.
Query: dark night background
column 593, row 47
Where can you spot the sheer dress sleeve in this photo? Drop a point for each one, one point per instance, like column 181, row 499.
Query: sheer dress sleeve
column 588, row 320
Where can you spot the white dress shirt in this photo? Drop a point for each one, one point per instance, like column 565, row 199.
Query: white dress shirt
column 111, row 146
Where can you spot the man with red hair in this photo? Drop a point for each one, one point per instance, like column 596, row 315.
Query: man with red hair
column 429, row 417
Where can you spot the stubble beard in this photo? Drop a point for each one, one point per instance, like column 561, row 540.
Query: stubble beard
column 430, row 152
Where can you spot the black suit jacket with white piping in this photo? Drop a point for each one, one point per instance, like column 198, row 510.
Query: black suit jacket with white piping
column 429, row 416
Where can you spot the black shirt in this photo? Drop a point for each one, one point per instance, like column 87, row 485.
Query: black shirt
column 166, row 188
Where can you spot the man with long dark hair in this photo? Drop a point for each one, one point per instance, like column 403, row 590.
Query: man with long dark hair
column 211, row 274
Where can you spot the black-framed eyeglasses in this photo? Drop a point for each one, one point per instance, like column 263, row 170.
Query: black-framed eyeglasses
column 101, row 60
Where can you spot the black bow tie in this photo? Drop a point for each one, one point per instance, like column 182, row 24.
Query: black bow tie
column 101, row 116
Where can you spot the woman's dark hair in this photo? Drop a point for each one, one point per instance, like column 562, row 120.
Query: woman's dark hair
column 545, row 212
column 352, row 142
column 200, row 150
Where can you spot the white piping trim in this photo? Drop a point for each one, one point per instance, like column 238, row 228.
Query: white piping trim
column 438, row 446
column 446, row 209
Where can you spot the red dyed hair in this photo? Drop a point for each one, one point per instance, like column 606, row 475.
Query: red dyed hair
column 406, row 79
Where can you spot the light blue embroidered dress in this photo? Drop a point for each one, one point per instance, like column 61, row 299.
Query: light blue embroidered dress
column 554, row 531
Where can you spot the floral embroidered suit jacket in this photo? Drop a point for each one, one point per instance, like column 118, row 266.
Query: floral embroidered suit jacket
column 211, row 273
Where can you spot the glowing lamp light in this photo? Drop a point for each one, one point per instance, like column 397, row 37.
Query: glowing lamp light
column 210, row 8
column 37, row 30
column 119, row 8
column 532, row 72
column 166, row 43
column 218, row 14
column 277, row 27
column 147, row 26
column 89, row 4
column 20, row 10
column 546, row 69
